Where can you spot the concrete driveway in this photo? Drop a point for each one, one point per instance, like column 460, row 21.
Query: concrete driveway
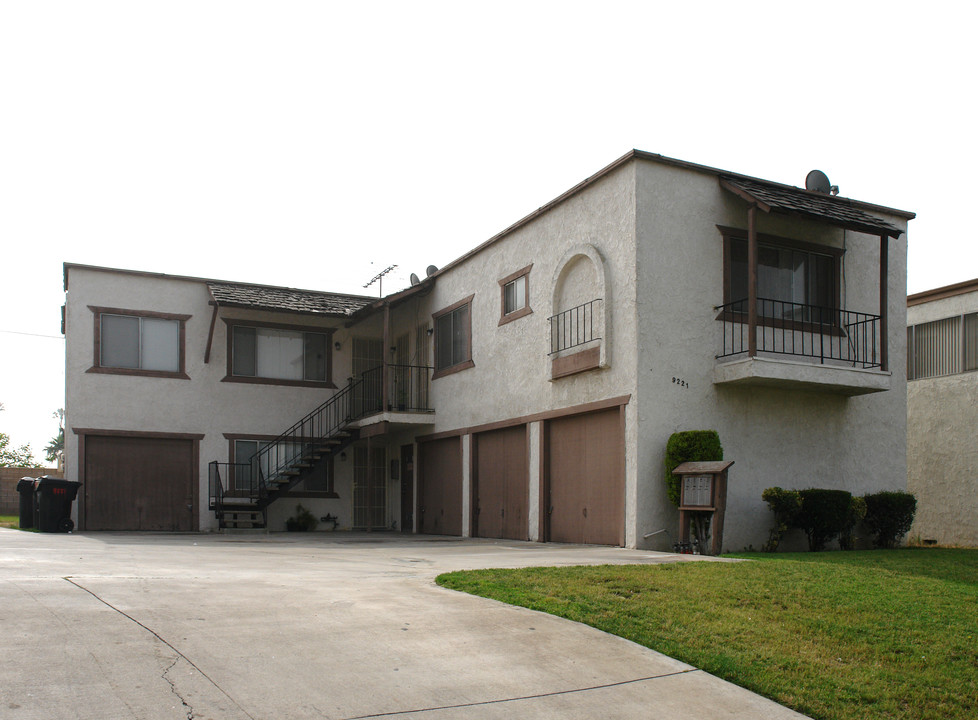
column 281, row 626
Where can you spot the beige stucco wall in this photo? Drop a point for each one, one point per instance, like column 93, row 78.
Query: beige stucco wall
column 786, row 437
column 201, row 405
column 942, row 456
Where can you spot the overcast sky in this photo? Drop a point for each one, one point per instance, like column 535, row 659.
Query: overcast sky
column 312, row 144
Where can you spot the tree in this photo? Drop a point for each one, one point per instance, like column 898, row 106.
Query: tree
column 14, row 457
column 56, row 448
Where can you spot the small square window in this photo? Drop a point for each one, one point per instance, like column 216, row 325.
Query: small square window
column 515, row 295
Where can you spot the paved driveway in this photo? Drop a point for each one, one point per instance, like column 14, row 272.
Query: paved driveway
column 109, row 625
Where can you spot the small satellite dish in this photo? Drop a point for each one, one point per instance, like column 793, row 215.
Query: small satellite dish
column 817, row 181
column 415, row 279
column 431, row 270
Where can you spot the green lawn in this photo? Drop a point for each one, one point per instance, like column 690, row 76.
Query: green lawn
column 10, row 521
column 834, row 635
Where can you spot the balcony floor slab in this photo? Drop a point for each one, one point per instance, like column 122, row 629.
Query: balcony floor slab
column 800, row 375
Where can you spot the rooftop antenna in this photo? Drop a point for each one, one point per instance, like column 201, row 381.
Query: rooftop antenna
column 415, row 280
column 379, row 279
column 431, row 270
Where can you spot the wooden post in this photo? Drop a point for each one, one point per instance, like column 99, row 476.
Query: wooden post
column 884, row 282
column 385, row 368
column 752, row 281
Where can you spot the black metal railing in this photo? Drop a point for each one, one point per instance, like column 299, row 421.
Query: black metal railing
column 302, row 444
column 576, row 326
column 811, row 331
column 409, row 388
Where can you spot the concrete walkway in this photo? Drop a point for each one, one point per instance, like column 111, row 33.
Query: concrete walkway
column 283, row 626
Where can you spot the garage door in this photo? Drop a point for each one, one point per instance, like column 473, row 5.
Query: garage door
column 501, row 483
column 585, row 468
column 440, row 487
column 134, row 483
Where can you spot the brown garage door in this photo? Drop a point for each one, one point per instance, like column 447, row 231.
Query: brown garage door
column 585, row 468
column 440, row 487
column 501, row 483
column 136, row 483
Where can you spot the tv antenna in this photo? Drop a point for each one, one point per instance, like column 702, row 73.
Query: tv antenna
column 379, row 279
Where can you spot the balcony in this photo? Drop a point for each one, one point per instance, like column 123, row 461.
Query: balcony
column 575, row 339
column 800, row 346
column 397, row 395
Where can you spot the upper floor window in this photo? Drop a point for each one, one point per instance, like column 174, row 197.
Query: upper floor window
column 279, row 354
column 453, row 338
column 795, row 280
column 942, row 347
column 133, row 342
column 515, row 294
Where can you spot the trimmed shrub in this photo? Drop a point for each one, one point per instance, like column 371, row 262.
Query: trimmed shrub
column 889, row 515
column 823, row 515
column 857, row 511
column 689, row 446
column 785, row 504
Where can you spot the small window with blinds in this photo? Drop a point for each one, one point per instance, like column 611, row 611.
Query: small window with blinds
column 942, row 347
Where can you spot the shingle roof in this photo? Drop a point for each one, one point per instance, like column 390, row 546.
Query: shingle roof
column 827, row 208
column 263, row 297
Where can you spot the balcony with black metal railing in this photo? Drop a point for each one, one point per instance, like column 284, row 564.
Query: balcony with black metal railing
column 576, row 338
column 802, row 346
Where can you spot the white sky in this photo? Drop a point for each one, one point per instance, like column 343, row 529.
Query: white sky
column 311, row 144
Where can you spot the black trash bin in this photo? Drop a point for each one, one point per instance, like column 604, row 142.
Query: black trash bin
column 54, row 499
column 25, row 486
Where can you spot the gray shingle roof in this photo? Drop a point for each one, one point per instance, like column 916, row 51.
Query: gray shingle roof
column 263, row 297
column 827, row 208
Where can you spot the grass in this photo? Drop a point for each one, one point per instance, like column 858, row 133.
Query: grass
column 854, row 635
column 10, row 521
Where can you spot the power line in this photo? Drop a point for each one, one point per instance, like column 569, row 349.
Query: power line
column 15, row 332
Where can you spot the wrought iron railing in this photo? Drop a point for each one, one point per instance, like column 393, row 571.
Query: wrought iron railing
column 300, row 446
column 409, row 388
column 789, row 328
column 576, row 326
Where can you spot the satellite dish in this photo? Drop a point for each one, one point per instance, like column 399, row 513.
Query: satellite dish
column 431, row 270
column 817, row 181
column 415, row 279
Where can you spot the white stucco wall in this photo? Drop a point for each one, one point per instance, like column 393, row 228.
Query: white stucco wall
column 786, row 437
column 942, row 456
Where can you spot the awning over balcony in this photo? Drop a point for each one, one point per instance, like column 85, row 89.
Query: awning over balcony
column 833, row 210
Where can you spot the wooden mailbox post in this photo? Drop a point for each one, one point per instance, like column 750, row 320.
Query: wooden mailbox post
column 703, row 489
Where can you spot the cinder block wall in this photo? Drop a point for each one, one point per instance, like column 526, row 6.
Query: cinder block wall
column 9, row 498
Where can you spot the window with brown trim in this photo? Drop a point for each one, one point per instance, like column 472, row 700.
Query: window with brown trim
column 796, row 280
column 453, row 338
column 515, row 295
column 274, row 354
column 139, row 342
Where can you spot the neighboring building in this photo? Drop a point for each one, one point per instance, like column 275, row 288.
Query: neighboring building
column 527, row 389
column 942, row 412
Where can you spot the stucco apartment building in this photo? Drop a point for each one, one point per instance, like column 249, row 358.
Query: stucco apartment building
column 942, row 412
column 527, row 389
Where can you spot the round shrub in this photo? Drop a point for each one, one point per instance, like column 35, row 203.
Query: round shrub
column 889, row 515
column 689, row 446
column 785, row 504
column 824, row 514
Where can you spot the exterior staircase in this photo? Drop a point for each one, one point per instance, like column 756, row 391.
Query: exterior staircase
column 240, row 493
